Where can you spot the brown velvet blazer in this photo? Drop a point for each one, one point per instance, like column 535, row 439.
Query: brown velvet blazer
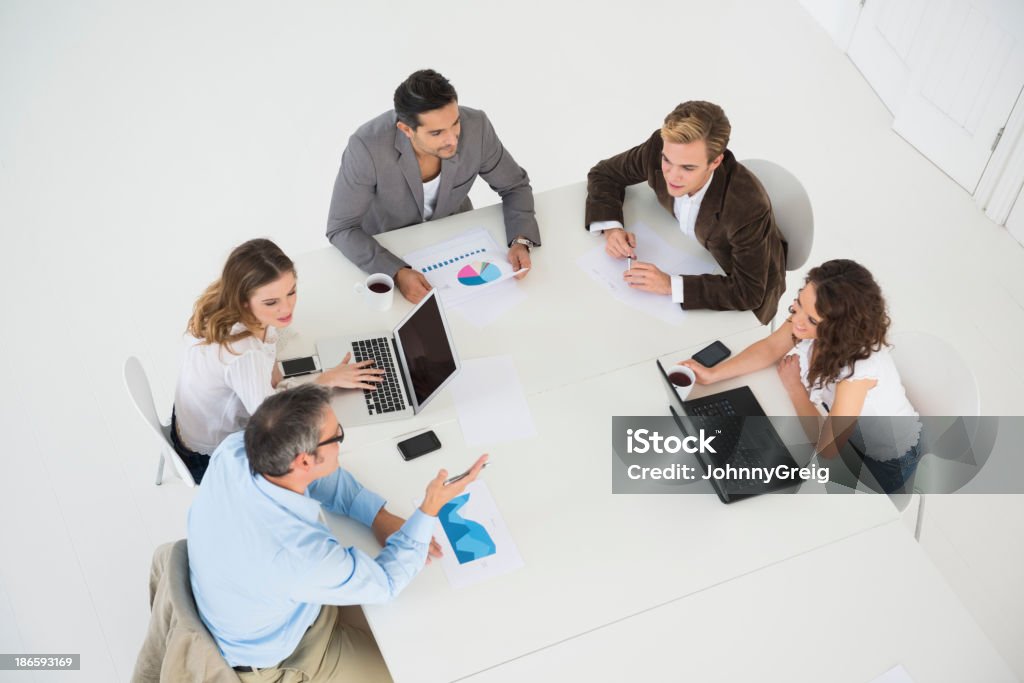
column 735, row 224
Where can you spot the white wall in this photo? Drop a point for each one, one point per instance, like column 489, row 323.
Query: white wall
column 139, row 142
column 837, row 17
column 1015, row 223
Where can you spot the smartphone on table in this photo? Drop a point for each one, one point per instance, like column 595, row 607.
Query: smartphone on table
column 296, row 367
column 712, row 354
column 418, row 445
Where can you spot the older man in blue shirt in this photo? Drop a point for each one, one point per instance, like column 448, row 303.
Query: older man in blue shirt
column 266, row 571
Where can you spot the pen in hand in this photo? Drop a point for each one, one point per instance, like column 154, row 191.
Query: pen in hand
column 459, row 477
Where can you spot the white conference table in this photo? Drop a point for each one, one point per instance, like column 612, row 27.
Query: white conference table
column 845, row 612
column 566, row 330
column 591, row 558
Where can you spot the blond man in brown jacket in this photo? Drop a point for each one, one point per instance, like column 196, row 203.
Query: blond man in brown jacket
column 716, row 201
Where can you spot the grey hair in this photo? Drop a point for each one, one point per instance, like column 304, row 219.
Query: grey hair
column 285, row 424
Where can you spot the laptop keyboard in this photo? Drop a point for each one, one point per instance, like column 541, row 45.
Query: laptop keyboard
column 712, row 408
column 387, row 397
column 728, row 427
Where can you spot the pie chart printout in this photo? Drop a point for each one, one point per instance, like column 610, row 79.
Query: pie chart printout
column 479, row 273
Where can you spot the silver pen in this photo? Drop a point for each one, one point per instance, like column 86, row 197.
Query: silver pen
column 460, row 477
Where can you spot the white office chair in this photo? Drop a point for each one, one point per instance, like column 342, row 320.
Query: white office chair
column 939, row 384
column 137, row 384
column 792, row 209
column 937, row 380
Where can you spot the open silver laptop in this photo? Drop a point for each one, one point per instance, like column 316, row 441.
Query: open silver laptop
column 419, row 359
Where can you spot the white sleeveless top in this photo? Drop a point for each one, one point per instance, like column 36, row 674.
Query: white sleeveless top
column 881, row 439
column 218, row 390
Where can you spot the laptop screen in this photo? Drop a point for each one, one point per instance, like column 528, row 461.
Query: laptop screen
column 427, row 351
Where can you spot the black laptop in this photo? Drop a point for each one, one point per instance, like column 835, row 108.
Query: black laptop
column 744, row 437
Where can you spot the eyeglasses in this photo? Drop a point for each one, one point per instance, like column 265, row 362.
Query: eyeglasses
column 334, row 439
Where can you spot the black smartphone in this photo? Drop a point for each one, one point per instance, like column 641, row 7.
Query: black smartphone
column 712, row 354
column 295, row 367
column 418, row 445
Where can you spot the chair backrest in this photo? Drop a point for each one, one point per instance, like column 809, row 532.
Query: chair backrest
column 937, row 380
column 137, row 384
column 179, row 587
column 177, row 645
column 791, row 206
column 940, row 384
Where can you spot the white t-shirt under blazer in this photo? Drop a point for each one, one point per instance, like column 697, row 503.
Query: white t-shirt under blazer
column 219, row 387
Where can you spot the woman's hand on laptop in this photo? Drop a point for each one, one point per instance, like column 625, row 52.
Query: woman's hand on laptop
column 347, row 375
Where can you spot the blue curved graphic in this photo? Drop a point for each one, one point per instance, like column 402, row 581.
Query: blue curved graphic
column 468, row 538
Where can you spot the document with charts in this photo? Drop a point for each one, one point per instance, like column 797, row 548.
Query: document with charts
column 651, row 248
column 464, row 268
column 476, row 543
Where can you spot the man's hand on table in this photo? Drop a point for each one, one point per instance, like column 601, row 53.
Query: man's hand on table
column 412, row 284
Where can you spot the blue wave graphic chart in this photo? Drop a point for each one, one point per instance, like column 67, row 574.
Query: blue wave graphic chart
column 469, row 539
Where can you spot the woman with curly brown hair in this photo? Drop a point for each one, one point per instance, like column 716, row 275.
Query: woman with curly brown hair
column 833, row 358
column 230, row 364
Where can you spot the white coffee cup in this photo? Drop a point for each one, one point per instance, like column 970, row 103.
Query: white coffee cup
column 676, row 374
column 375, row 295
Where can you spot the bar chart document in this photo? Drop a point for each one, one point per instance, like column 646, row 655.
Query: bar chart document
column 471, row 274
column 462, row 268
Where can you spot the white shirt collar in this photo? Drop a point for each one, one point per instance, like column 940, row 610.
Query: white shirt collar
column 699, row 194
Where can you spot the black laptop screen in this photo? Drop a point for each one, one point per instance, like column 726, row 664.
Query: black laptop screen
column 427, row 350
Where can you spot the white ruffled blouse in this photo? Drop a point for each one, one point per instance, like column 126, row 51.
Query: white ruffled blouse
column 218, row 390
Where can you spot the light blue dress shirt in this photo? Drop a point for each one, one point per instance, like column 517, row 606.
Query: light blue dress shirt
column 262, row 562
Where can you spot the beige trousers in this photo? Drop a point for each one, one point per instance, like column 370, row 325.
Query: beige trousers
column 337, row 647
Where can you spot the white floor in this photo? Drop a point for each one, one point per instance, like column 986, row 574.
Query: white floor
column 139, row 144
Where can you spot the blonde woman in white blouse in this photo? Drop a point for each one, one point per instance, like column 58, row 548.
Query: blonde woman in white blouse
column 230, row 364
column 834, row 360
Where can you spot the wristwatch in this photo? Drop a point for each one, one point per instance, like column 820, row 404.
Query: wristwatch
column 529, row 244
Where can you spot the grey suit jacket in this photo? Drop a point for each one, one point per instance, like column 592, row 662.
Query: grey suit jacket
column 379, row 187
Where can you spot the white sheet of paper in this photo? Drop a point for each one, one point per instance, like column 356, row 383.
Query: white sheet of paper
column 490, row 401
column 651, row 248
column 897, row 674
column 479, row 304
column 484, row 310
column 479, row 508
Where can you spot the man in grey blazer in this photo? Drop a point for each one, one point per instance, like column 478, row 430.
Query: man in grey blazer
column 416, row 163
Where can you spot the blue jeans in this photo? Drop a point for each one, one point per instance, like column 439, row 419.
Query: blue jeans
column 896, row 475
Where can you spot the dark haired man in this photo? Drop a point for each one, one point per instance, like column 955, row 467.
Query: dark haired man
column 418, row 162
column 717, row 202
column 267, row 573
